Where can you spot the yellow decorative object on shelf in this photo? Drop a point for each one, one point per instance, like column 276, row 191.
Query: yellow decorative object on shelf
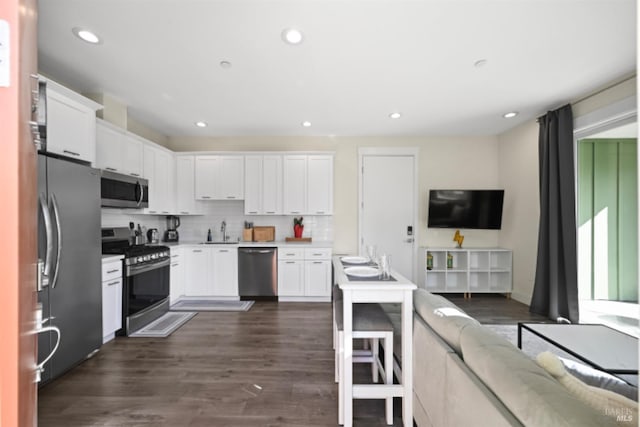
column 459, row 238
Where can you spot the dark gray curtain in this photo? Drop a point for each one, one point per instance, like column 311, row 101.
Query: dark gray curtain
column 555, row 292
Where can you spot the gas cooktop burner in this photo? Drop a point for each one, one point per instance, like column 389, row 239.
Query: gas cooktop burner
column 116, row 241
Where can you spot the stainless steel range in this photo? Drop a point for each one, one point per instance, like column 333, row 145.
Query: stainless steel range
column 145, row 290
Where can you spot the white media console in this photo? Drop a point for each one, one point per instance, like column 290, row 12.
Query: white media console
column 473, row 270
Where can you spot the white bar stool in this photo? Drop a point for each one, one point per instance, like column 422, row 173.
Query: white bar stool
column 370, row 322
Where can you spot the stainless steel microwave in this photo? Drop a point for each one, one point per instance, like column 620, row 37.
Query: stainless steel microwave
column 123, row 191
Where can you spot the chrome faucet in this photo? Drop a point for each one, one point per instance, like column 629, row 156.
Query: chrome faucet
column 223, row 228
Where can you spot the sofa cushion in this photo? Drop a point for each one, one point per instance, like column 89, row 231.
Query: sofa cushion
column 444, row 317
column 599, row 379
column 429, row 370
column 465, row 390
column 531, row 394
column 618, row 407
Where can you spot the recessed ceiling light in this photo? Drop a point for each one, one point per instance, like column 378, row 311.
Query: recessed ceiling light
column 201, row 124
column 510, row 114
column 86, row 35
column 480, row 63
column 395, row 115
column 225, row 64
column 306, row 124
column 292, row 36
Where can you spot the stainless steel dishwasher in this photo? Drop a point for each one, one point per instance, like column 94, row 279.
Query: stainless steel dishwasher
column 258, row 273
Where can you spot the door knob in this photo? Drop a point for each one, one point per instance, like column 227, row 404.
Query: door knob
column 410, row 240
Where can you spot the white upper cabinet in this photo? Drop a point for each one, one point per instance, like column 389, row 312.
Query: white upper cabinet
column 320, row 185
column 117, row 151
column 253, row 185
column 308, row 184
column 158, row 170
column 263, row 185
column 219, row 177
column 131, row 156
column 295, row 184
column 231, row 178
column 185, row 195
column 71, row 123
column 272, row 185
column 206, row 182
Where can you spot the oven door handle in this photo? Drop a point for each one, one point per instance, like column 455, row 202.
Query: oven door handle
column 133, row 270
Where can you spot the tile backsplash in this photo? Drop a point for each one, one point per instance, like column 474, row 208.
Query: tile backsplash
column 195, row 227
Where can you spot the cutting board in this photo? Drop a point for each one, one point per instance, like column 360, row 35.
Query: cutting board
column 264, row 233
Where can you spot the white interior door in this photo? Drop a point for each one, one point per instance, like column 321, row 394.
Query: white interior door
column 388, row 207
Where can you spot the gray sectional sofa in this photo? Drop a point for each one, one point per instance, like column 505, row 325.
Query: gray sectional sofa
column 466, row 375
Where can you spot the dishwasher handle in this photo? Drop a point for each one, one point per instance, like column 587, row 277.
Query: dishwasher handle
column 257, row 251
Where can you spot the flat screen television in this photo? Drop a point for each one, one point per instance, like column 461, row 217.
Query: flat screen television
column 473, row 209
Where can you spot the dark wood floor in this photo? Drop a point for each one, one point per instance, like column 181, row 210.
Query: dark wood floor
column 270, row 366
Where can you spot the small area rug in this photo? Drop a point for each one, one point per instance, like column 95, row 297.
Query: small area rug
column 163, row 326
column 208, row 305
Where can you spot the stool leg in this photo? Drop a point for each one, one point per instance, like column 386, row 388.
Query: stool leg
column 336, row 364
column 340, row 379
column 374, row 355
column 388, row 372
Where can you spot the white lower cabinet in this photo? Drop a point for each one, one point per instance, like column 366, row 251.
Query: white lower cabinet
column 111, row 299
column 317, row 280
column 197, row 273
column 304, row 273
column 176, row 279
column 224, row 272
column 211, row 272
column 291, row 278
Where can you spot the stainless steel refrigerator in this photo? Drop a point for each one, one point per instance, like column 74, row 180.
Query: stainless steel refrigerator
column 69, row 244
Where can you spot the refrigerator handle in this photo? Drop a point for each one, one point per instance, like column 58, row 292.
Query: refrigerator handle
column 56, row 215
column 44, row 267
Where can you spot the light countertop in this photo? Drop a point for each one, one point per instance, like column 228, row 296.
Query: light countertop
column 111, row 257
column 275, row 244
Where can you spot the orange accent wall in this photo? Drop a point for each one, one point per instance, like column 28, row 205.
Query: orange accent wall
column 18, row 219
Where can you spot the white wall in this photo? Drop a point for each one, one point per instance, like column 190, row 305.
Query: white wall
column 518, row 174
column 518, row 160
column 444, row 162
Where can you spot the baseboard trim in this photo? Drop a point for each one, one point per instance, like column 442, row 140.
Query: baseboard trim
column 520, row 297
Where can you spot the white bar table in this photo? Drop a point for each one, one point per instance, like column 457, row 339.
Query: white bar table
column 375, row 291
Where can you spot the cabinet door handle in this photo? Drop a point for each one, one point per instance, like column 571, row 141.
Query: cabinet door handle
column 253, row 213
column 317, row 254
column 290, row 262
column 113, row 271
column 295, row 212
column 205, row 197
column 174, row 256
column 320, row 212
column 73, row 153
column 270, row 212
column 290, row 254
column 231, row 197
column 223, row 250
column 135, row 174
column 175, row 265
column 197, row 250
column 165, row 212
column 153, row 212
column 112, row 169
column 184, row 213
column 113, row 283
column 317, row 262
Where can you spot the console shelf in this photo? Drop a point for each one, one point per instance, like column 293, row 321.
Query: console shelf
column 473, row 270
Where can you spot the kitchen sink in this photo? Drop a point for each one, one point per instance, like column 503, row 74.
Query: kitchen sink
column 228, row 242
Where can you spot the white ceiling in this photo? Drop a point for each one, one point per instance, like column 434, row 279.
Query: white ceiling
column 360, row 60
